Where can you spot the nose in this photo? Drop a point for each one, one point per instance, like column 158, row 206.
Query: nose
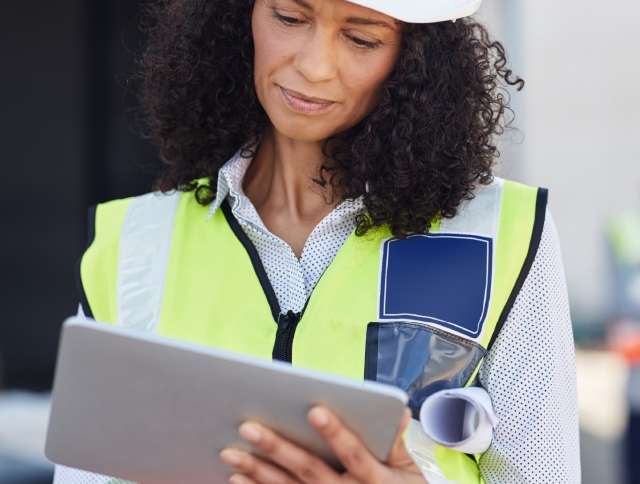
column 317, row 58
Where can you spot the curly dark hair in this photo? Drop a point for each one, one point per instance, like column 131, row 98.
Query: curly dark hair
column 421, row 151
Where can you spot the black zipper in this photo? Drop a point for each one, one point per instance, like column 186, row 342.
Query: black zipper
column 287, row 322
column 283, row 346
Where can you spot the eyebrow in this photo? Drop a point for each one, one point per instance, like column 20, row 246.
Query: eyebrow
column 351, row 20
column 367, row 21
column 304, row 4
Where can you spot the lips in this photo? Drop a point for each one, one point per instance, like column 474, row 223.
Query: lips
column 308, row 99
column 302, row 104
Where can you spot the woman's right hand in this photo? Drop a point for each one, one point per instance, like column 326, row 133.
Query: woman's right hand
column 286, row 463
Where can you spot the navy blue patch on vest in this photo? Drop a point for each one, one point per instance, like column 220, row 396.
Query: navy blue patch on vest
column 437, row 278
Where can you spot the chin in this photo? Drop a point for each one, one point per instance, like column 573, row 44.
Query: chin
column 300, row 130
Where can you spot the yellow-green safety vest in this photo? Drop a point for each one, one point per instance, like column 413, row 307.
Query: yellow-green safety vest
column 419, row 313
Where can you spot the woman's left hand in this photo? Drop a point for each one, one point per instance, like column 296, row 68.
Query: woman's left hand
column 289, row 464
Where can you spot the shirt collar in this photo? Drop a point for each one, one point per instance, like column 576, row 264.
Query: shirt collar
column 230, row 178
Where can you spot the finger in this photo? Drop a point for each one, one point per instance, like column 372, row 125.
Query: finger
column 347, row 447
column 240, row 479
column 399, row 455
column 254, row 469
column 301, row 464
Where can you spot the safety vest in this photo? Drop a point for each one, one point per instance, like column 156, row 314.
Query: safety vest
column 419, row 313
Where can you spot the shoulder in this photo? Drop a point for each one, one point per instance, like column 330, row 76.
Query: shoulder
column 104, row 222
column 548, row 260
column 107, row 216
column 96, row 270
column 513, row 192
column 500, row 183
column 522, row 213
column 542, row 303
column 506, row 197
column 505, row 210
column 108, row 219
column 137, row 219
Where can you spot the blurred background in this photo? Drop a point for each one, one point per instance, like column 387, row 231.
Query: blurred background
column 67, row 142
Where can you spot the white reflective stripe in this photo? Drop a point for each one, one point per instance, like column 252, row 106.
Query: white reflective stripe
column 480, row 216
column 422, row 451
column 144, row 255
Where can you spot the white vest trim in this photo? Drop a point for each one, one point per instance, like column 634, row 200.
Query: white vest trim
column 143, row 258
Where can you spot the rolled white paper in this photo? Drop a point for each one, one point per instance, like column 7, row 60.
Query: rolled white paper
column 461, row 419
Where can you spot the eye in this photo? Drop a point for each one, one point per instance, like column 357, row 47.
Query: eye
column 363, row 44
column 291, row 21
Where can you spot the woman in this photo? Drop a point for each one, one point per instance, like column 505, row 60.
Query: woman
column 328, row 200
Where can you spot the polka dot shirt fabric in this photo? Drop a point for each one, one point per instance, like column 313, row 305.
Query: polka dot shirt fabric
column 529, row 372
column 292, row 279
column 530, row 375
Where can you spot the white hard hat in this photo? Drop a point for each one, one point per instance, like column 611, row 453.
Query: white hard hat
column 423, row 11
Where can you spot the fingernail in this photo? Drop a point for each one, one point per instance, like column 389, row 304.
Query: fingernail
column 231, row 457
column 319, row 417
column 237, row 479
column 250, row 432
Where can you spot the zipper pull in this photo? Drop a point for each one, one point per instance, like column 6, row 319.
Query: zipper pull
column 288, row 320
column 283, row 346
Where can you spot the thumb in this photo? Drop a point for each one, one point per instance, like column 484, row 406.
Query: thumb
column 399, row 455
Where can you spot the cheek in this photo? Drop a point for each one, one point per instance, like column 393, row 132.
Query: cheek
column 271, row 52
column 262, row 48
column 272, row 47
column 364, row 85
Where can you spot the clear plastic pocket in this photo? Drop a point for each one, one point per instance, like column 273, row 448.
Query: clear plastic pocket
column 419, row 359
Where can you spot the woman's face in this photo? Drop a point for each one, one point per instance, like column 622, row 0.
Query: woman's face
column 333, row 51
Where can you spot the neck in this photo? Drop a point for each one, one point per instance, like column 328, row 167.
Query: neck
column 281, row 177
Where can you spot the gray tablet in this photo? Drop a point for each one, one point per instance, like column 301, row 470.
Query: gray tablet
column 141, row 407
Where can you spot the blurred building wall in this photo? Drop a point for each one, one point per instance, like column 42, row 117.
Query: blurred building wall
column 41, row 127
column 580, row 117
column 579, row 123
column 66, row 143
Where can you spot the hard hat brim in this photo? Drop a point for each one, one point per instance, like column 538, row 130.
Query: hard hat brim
column 423, row 11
